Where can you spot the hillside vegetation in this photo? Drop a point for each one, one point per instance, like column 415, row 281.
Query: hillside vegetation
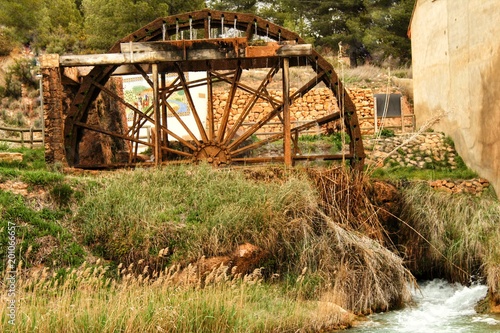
column 195, row 248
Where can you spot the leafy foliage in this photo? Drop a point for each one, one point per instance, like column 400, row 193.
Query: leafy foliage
column 373, row 29
column 21, row 72
column 367, row 29
column 128, row 16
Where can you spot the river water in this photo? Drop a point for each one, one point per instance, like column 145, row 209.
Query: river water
column 439, row 307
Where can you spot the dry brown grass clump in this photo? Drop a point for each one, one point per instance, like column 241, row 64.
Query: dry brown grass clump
column 344, row 196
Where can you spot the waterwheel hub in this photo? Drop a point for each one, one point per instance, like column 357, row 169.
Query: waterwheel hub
column 213, row 153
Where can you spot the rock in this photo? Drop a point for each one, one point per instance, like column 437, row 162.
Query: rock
column 10, row 157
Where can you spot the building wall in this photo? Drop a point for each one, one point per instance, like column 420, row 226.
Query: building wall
column 456, row 74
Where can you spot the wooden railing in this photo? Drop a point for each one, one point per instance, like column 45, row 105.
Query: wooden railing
column 22, row 133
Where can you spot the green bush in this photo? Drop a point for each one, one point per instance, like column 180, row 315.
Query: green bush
column 6, row 43
column 386, row 133
column 21, row 72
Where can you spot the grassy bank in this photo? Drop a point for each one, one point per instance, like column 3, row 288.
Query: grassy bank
column 161, row 250
column 451, row 236
column 176, row 230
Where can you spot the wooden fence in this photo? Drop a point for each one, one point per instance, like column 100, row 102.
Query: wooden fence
column 22, row 135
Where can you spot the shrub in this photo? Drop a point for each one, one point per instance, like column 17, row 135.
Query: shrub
column 21, row 72
column 386, row 133
column 449, row 236
column 6, row 43
column 196, row 211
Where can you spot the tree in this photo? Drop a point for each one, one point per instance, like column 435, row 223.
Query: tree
column 243, row 6
column 60, row 27
column 21, row 17
column 181, row 6
column 108, row 21
column 366, row 28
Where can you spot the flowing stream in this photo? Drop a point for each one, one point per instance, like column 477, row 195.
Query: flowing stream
column 440, row 307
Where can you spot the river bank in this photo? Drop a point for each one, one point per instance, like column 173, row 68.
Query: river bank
column 193, row 247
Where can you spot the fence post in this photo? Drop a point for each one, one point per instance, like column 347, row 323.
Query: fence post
column 31, row 137
column 22, row 138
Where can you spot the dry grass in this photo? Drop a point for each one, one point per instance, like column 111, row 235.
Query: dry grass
column 343, row 197
column 200, row 212
column 316, row 268
column 86, row 299
column 451, row 236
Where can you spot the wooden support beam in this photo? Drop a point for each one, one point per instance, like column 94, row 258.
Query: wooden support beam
column 152, row 52
column 287, row 135
column 227, row 109
column 157, row 115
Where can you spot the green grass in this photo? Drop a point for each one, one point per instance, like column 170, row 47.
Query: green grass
column 34, row 226
column 400, row 173
column 41, row 177
column 33, row 159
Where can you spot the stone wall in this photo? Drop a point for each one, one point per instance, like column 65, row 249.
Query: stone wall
column 422, row 151
column 53, row 95
column 315, row 104
column 105, row 113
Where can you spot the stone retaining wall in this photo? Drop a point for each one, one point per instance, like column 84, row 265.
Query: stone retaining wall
column 315, row 104
column 422, row 151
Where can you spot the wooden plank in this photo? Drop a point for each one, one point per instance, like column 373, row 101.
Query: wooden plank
column 118, row 58
column 294, row 50
column 210, row 52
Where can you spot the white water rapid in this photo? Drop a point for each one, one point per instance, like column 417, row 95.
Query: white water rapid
column 440, row 307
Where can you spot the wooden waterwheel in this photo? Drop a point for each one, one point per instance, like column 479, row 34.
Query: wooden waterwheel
column 195, row 54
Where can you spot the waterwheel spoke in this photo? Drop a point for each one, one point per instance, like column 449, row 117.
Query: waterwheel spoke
column 197, row 119
column 177, row 152
column 113, row 134
column 183, row 124
column 210, row 111
column 144, row 75
column 257, row 144
column 263, row 94
column 254, row 128
column 229, row 105
column 250, row 104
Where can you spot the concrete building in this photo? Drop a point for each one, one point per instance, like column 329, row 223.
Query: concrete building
column 456, row 74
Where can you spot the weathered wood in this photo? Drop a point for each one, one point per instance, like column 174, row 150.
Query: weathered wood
column 255, row 97
column 110, row 133
column 287, row 135
column 227, row 108
column 118, row 58
column 189, row 98
column 136, row 54
column 157, row 116
column 154, row 52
